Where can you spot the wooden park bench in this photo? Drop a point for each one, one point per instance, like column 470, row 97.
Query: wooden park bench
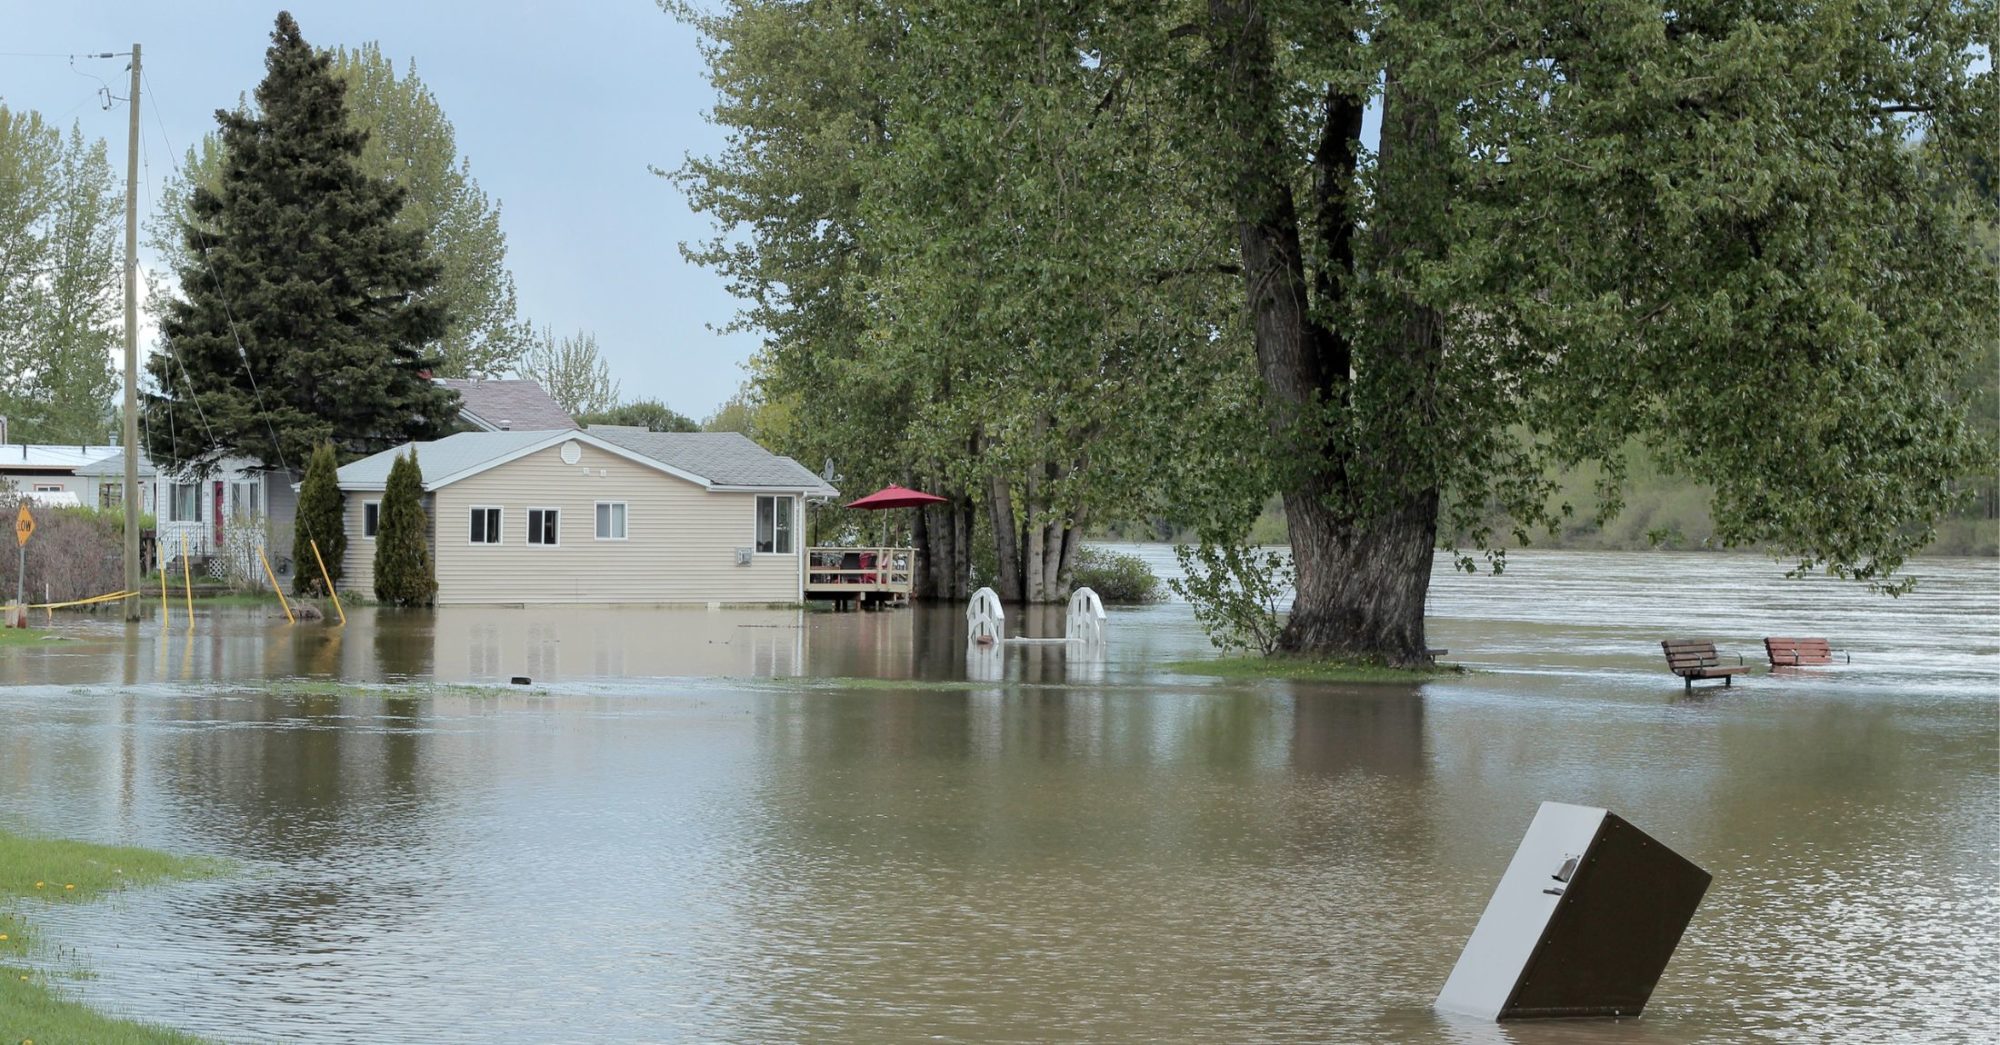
column 1796, row 653
column 1697, row 660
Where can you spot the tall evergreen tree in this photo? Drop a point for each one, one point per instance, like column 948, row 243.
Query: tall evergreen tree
column 411, row 143
column 307, row 312
column 319, row 520
column 403, row 572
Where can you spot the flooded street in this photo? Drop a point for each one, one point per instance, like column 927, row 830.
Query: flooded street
column 770, row 825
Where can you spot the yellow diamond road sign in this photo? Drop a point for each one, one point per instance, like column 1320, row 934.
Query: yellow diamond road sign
column 24, row 526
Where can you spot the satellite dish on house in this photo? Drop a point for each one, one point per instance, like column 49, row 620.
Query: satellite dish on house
column 827, row 472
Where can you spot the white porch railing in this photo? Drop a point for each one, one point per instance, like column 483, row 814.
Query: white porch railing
column 834, row 572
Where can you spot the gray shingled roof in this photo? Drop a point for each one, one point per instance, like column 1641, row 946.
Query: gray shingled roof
column 438, row 458
column 721, row 458
column 115, row 465
column 519, row 406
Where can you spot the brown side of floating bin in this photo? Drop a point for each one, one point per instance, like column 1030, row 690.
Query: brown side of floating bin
column 1621, row 916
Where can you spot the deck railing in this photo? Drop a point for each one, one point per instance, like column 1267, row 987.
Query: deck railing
column 832, row 571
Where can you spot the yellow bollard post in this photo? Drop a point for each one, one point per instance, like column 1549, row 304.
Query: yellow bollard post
column 323, row 575
column 274, row 585
column 187, row 580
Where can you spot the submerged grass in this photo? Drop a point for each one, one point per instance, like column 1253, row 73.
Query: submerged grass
column 12, row 637
column 55, row 870
column 1310, row 669
column 337, row 688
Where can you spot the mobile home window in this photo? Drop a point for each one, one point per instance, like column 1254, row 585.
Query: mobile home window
column 486, row 526
column 774, row 524
column 184, row 502
column 371, row 517
column 543, row 526
column 243, row 499
column 610, row 520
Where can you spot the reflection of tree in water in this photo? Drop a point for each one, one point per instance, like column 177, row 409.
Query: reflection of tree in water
column 1011, row 856
column 1374, row 729
column 327, row 788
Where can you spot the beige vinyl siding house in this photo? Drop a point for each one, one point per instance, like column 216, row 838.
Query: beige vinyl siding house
column 573, row 517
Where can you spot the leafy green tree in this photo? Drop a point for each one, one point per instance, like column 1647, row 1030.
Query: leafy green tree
column 1699, row 225
column 916, row 339
column 403, row 572
column 321, row 518
column 573, row 373
column 649, row 414
column 60, row 218
column 413, row 145
column 307, row 313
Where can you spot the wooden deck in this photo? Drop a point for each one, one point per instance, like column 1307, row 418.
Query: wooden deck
column 865, row 575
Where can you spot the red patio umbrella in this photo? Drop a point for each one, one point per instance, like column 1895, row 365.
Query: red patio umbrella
column 893, row 496
column 896, row 497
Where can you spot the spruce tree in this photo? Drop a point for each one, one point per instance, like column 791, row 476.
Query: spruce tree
column 319, row 519
column 305, row 310
column 403, row 573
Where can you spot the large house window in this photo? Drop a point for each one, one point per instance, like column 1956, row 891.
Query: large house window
column 543, row 526
column 774, row 524
column 610, row 520
column 371, row 517
column 486, row 526
column 184, row 502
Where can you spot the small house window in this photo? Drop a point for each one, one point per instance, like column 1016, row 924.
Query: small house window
column 486, row 526
column 243, row 499
column 543, row 526
column 774, row 525
column 48, row 488
column 610, row 520
column 371, row 517
column 184, row 502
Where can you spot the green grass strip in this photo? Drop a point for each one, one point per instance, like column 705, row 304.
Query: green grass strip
column 35, row 870
column 1310, row 669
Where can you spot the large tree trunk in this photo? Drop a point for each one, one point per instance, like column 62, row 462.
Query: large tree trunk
column 1362, row 577
column 944, row 554
column 1006, row 541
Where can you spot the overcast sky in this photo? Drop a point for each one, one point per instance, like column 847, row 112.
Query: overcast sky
column 559, row 107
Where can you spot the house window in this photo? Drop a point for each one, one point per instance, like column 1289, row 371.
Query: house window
column 371, row 517
column 610, row 520
column 486, row 526
column 243, row 499
column 48, row 488
column 543, row 526
column 184, row 502
column 110, row 495
column 774, row 525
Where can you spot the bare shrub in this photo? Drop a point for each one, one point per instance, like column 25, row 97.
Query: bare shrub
column 76, row 553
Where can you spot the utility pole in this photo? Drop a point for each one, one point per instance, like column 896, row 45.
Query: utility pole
column 132, row 350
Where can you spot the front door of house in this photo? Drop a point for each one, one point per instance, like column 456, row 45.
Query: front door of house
column 217, row 514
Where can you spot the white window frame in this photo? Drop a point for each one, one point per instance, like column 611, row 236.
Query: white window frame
column 624, row 520
column 532, row 543
column 174, row 501
column 497, row 531
column 366, row 535
column 49, row 488
column 790, row 527
column 246, row 499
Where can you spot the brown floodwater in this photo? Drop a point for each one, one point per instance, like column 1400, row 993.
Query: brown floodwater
column 779, row 826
